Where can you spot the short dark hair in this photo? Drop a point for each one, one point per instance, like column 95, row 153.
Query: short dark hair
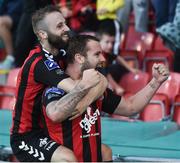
column 106, row 27
column 40, row 14
column 78, row 44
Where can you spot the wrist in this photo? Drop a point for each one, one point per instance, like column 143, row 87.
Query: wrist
column 154, row 83
column 83, row 85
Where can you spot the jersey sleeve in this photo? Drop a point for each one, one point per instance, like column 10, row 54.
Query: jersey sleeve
column 52, row 94
column 110, row 101
column 49, row 73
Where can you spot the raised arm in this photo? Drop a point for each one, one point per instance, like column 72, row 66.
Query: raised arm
column 136, row 103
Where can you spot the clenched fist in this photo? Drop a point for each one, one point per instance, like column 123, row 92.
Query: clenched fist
column 90, row 78
column 160, row 72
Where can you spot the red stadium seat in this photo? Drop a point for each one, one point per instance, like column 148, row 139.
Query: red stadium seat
column 7, row 101
column 133, row 57
column 176, row 109
column 171, row 86
column 152, row 57
column 7, row 89
column 132, row 83
column 165, row 100
column 158, row 45
column 139, row 41
column 154, row 111
column 12, row 77
column 7, row 97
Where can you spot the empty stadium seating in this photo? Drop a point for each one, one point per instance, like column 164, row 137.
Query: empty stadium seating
column 154, row 111
column 176, row 109
column 7, row 97
column 132, row 83
column 171, row 86
column 152, row 57
column 159, row 108
column 165, row 100
column 12, row 77
column 134, row 58
column 7, row 89
column 159, row 45
column 7, row 101
column 139, row 41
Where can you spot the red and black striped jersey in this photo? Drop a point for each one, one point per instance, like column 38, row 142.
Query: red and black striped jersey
column 83, row 134
column 38, row 71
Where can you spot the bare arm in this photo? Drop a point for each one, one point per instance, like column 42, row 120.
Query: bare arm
column 94, row 93
column 59, row 110
column 90, row 77
column 137, row 102
column 67, row 84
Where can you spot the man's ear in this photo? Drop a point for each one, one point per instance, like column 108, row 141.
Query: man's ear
column 42, row 34
column 79, row 58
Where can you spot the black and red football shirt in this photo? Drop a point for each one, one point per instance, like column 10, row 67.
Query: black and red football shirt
column 83, row 134
column 39, row 70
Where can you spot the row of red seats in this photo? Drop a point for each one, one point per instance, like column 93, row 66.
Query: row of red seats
column 141, row 41
column 145, row 62
column 7, row 92
column 141, row 50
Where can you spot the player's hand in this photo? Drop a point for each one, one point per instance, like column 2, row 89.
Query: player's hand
column 90, row 78
column 160, row 72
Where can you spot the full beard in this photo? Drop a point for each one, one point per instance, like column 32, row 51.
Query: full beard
column 57, row 41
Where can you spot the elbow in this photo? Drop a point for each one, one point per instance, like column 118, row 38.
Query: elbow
column 55, row 118
column 131, row 110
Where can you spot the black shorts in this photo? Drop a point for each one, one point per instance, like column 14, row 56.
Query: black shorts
column 33, row 147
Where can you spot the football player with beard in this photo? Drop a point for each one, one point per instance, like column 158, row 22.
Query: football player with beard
column 29, row 140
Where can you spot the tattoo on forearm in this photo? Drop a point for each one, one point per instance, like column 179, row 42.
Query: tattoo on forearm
column 152, row 85
column 69, row 101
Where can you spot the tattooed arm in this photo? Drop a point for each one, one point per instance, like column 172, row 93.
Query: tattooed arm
column 137, row 102
column 59, row 110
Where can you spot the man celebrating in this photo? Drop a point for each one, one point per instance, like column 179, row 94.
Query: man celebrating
column 42, row 69
column 83, row 134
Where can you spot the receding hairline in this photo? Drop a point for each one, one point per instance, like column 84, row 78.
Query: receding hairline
column 44, row 22
column 39, row 17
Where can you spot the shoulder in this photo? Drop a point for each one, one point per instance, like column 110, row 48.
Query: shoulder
column 52, row 94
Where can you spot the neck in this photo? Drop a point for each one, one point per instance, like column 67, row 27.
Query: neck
column 50, row 48
column 74, row 71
